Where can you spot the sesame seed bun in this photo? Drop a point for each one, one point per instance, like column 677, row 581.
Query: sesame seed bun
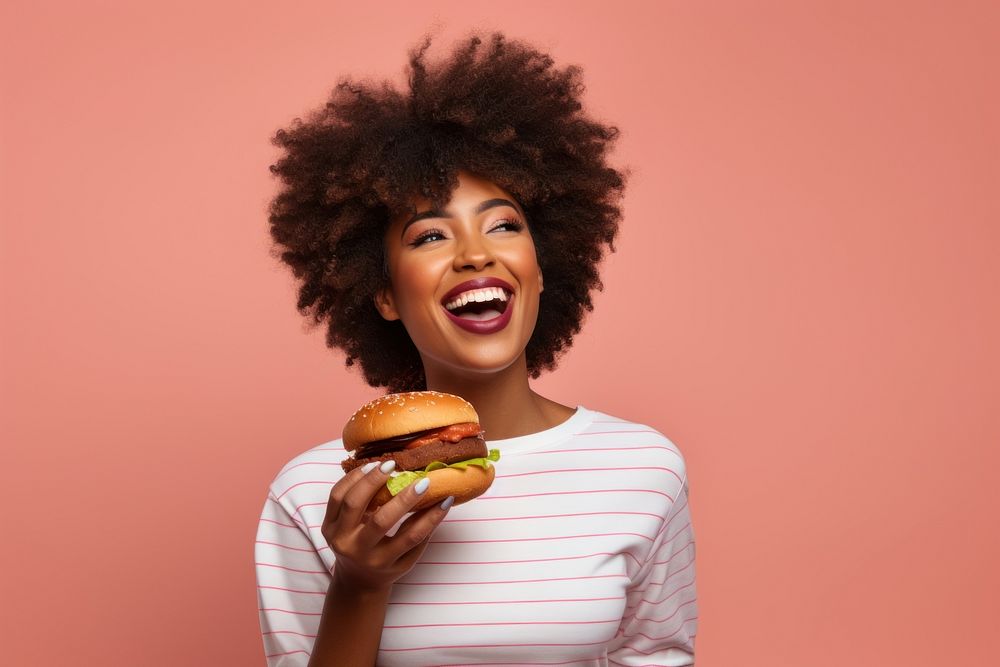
column 395, row 415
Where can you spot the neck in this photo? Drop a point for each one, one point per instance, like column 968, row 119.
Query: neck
column 506, row 404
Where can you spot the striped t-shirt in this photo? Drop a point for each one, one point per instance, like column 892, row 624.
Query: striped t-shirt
column 580, row 553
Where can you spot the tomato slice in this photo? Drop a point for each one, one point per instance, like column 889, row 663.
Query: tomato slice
column 452, row 433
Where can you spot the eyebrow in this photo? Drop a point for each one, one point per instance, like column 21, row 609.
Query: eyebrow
column 434, row 213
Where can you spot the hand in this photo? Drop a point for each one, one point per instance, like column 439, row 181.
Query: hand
column 368, row 559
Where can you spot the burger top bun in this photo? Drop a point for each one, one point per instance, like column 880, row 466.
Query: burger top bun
column 465, row 484
column 394, row 415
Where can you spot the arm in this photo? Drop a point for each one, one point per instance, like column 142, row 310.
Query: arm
column 661, row 616
column 291, row 582
column 291, row 579
column 351, row 626
column 348, row 630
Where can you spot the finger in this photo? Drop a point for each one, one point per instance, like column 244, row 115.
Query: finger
column 410, row 558
column 340, row 489
column 378, row 523
column 414, row 533
column 358, row 496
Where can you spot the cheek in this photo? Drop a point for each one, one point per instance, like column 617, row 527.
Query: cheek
column 415, row 285
column 524, row 263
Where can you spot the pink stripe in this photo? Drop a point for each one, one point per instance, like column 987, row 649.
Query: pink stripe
column 531, row 560
column 672, row 574
column 550, row 516
column 663, row 620
column 292, row 590
column 513, row 581
column 617, row 432
column 519, row 664
column 297, row 613
column 286, row 525
column 552, row 472
column 309, row 463
column 275, row 655
column 540, row 539
column 462, row 625
column 671, row 556
column 673, row 537
column 292, row 516
column 657, row 639
column 621, row 597
column 632, row 607
column 299, row 507
column 679, row 648
column 570, row 493
column 287, row 632
column 426, row 648
column 603, row 449
column 317, row 481
column 285, row 546
column 292, row 569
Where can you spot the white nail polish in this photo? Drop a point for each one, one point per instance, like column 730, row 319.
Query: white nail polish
column 447, row 502
column 421, row 486
column 368, row 467
column 388, row 466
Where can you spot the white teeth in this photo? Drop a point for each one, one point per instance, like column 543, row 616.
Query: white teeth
column 478, row 295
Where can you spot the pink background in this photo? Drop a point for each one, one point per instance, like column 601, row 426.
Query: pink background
column 804, row 300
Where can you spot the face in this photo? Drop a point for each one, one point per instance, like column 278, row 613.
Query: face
column 481, row 233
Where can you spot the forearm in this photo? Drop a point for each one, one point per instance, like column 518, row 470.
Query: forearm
column 350, row 628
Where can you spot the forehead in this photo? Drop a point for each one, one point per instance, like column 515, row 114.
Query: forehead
column 469, row 193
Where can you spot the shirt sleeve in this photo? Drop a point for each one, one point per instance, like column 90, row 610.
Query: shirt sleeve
column 292, row 582
column 661, row 613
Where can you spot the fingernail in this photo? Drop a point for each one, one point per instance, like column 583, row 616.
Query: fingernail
column 447, row 502
column 388, row 466
column 421, row 486
column 368, row 467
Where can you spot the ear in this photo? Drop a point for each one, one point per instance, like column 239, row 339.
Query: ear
column 386, row 304
column 541, row 286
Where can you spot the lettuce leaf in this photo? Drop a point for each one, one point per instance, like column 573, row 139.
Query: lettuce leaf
column 397, row 483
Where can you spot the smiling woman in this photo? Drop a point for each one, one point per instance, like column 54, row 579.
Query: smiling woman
column 449, row 236
column 476, row 254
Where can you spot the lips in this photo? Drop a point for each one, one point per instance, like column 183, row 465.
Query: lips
column 481, row 326
column 484, row 326
column 478, row 283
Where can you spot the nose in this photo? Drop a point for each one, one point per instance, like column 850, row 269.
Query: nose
column 473, row 252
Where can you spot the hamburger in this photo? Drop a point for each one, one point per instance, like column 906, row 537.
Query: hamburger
column 428, row 434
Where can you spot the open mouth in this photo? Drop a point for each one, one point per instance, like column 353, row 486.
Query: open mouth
column 480, row 305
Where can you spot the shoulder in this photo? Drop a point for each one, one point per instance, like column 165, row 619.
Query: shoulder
column 636, row 440
column 309, row 475
column 638, row 449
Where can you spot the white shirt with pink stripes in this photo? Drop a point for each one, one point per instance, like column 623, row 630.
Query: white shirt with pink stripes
column 581, row 553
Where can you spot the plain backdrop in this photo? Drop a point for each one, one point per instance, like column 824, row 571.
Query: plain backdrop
column 804, row 300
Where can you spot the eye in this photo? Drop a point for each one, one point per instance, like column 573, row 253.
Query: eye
column 429, row 234
column 513, row 225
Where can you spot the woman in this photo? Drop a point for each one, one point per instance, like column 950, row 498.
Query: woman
column 582, row 551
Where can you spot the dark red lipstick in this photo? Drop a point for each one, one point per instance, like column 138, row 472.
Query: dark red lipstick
column 481, row 326
column 478, row 283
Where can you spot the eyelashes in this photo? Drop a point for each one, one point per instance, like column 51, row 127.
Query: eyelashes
column 514, row 225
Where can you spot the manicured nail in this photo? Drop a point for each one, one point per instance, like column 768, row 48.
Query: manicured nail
column 447, row 502
column 388, row 466
column 421, row 486
column 368, row 467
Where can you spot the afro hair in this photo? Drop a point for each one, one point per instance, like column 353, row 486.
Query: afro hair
column 497, row 108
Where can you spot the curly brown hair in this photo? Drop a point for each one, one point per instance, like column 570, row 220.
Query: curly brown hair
column 499, row 110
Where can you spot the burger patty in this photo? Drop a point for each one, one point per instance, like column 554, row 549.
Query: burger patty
column 418, row 457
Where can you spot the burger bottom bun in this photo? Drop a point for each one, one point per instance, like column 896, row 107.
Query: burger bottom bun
column 463, row 483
